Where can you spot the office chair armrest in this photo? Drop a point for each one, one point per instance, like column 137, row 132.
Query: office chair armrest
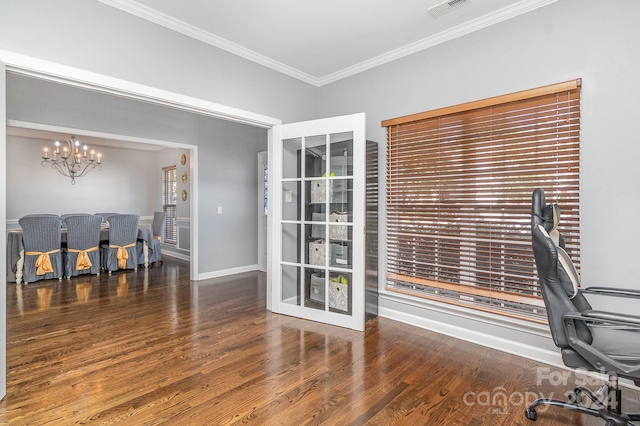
column 597, row 359
column 609, row 291
column 611, row 318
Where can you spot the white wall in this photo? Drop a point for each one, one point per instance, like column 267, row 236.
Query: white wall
column 92, row 36
column 589, row 39
column 127, row 182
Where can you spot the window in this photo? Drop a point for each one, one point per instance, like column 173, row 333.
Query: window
column 459, row 185
column 169, row 200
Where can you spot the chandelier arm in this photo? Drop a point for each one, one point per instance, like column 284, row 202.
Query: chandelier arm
column 71, row 161
column 57, row 166
column 87, row 168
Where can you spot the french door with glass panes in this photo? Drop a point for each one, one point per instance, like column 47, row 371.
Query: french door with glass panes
column 317, row 220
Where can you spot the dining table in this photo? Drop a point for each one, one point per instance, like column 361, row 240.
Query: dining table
column 15, row 248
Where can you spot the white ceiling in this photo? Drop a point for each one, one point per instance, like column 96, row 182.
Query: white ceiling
column 321, row 41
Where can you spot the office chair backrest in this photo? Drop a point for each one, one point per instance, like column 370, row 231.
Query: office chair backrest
column 559, row 280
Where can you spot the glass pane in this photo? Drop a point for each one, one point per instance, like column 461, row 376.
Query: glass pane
column 291, row 242
column 338, row 228
column 340, row 254
column 291, row 158
column 317, row 252
column 341, row 161
column 290, row 200
column 341, row 194
column 317, row 230
column 340, row 293
column 315, row 288
column 317, row 191
column 316, row 156
column 291, row 284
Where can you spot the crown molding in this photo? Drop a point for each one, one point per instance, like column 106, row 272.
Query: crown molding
column 498, row 16
column 166, row 21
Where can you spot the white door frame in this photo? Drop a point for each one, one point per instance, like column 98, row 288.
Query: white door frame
column 354, row 123
column 75, row 77
column 51, row 71
column 263, row 222
column 3, row 230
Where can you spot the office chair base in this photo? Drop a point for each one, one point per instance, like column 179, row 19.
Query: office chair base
column 612, row 415
column 531, row 414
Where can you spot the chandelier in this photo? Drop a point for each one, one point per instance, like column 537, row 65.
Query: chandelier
column 71, row 161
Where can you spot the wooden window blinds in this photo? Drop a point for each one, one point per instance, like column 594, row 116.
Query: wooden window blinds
column 459, row 185
column 169, row 203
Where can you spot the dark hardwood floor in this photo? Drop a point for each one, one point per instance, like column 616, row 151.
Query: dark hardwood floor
column 150, row 347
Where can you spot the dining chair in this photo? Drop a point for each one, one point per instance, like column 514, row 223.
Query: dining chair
column 42, row 247
column 157, row 226
column 66, row 215
column 121, row 251
column 82, row 255
column 106, row 216
column 42, row 215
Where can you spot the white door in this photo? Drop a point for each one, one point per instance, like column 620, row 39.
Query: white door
column 317, row 212
column 3, row 230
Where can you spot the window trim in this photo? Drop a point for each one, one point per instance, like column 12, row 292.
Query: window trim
column 496, row 100
column 465, row 289
column 168, row 203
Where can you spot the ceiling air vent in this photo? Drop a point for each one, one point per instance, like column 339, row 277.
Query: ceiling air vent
column 446, row 7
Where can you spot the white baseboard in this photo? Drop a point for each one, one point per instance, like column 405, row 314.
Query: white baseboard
column 225, row 272
column 515, row 348
column 182, row 256
column 483, row 339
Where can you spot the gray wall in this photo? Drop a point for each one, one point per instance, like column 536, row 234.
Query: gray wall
column 592, row 40
column 126, row 184
column 569, row 39
column 227, row 154
column 172, row 157
column 95, row 37
column 586, row 39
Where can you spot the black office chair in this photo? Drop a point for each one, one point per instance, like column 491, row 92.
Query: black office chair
column 605, row 342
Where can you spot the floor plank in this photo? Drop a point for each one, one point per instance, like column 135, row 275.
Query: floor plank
column 151, row 347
